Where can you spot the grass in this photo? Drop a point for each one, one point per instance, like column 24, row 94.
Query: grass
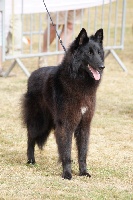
column 110, row 158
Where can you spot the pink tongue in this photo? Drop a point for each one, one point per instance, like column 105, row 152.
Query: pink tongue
column 95, row 73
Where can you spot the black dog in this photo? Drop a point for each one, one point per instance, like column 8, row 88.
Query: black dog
column 63, row 98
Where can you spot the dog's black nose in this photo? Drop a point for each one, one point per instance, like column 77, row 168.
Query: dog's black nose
column 101, row 67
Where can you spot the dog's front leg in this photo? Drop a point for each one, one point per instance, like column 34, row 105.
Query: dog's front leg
column 82, row 138
column 64, row 142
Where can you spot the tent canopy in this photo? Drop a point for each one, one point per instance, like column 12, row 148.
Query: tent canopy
column 37, row 6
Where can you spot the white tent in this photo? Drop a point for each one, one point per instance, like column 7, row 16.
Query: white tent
column 37, row 6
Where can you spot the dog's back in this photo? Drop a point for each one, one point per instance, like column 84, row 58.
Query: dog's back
column 63, row 98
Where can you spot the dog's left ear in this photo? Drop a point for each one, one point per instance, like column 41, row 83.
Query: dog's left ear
column 99, row 35
column 82, row 37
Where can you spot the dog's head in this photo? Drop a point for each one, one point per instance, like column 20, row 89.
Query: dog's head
column 88, row 53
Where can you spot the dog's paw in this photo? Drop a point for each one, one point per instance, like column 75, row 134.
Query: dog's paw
column 85, row 174
column 67, row 175
column 31, row 161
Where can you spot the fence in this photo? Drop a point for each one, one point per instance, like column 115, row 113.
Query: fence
column 110, row 15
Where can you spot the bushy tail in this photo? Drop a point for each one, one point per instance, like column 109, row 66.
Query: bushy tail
column 38, row 122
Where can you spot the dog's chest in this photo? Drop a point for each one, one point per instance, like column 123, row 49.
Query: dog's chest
column 84, row 110
column 87, row 105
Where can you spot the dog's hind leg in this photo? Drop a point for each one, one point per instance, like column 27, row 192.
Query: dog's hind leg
column 82, row 138
column 30, row 150
column 39, row 140
column 38, row 133
column 64, row 141
column 39, row 124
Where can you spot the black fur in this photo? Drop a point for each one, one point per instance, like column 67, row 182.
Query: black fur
column 63, row 98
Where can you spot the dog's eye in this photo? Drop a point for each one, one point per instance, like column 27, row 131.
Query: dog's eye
column 90, row 52
column 99, row 52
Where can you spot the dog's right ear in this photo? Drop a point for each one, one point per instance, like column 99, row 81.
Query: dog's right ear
column 82, row 37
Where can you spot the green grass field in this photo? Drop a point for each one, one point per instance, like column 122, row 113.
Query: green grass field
column 110, row 158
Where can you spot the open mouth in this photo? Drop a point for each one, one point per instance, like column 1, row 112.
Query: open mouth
column 95, row 73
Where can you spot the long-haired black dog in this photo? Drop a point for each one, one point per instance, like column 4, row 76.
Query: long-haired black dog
column 63, row 98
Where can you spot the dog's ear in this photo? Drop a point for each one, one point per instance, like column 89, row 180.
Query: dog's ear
column 82, row 37
column 99, row 35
